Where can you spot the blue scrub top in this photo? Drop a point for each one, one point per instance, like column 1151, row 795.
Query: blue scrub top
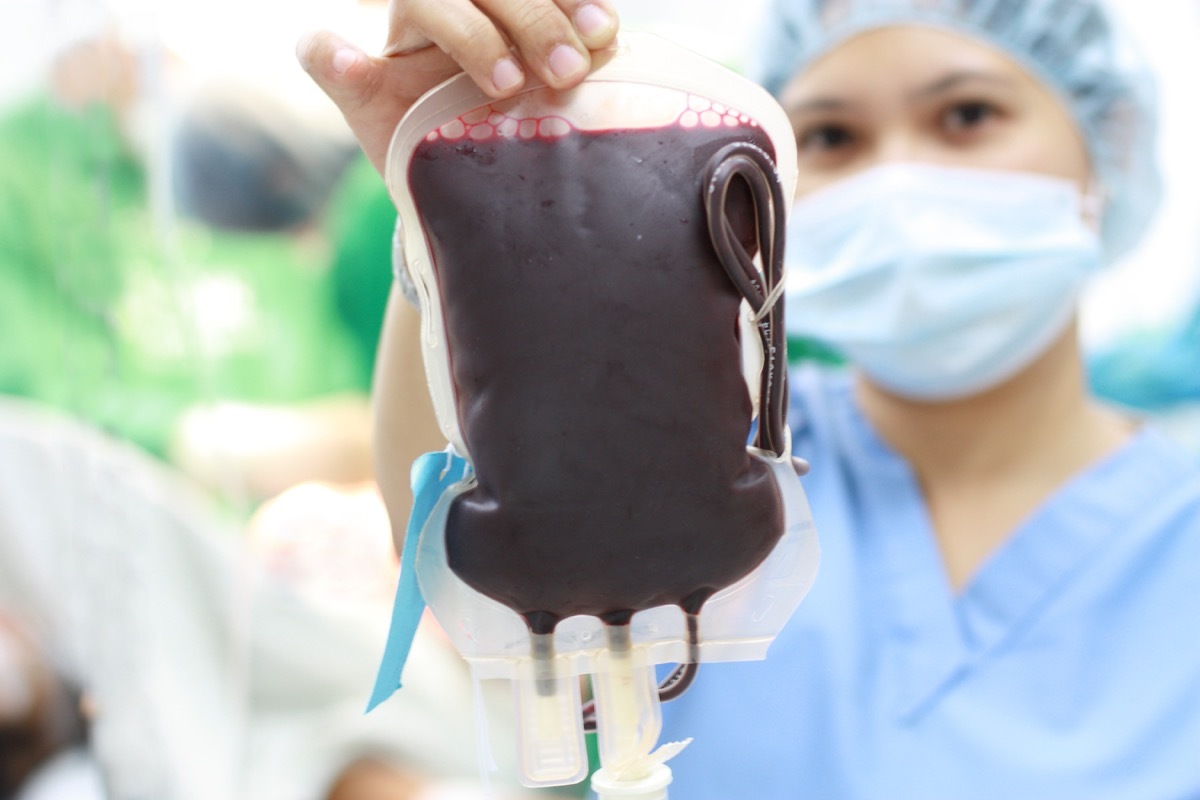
column 1069, row 667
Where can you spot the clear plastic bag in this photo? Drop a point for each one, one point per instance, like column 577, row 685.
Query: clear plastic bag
column 598, row 272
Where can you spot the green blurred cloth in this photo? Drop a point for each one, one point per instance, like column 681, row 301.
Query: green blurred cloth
column 124, row 318
column 361, row 221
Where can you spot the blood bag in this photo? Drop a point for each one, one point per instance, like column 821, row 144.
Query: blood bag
column 600, row 274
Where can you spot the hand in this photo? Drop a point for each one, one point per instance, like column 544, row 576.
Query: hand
column 331, row 543
column 497, row 42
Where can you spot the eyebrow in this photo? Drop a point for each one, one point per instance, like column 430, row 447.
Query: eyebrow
column 958, row 78
column 819, row 104
column 944, row 84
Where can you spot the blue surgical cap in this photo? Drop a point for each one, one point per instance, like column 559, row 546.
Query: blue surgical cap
column 1072, row 46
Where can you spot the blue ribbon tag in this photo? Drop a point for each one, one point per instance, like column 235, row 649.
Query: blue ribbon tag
column 432, row 474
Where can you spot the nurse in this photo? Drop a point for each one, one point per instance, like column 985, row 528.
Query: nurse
column 1007, row 604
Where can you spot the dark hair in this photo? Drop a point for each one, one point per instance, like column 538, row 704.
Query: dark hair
column 242, row 160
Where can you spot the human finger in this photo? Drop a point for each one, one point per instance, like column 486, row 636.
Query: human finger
column 595, row 21
column 497, row 42
column 543, row 33
column 465, row 33
column 372, row 93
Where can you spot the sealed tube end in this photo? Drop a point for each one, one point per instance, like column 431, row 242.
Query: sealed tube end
column 549, row 715
column 651, row 787
column 628, row 716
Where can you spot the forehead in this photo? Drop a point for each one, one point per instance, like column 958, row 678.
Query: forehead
column 898, row 60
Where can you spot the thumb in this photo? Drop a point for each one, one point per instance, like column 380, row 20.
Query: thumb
column 372, row 93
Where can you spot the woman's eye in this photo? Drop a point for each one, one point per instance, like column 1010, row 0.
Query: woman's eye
column 823, row 138
column 965, row 117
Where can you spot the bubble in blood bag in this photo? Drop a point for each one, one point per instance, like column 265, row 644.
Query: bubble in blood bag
column 486, row 122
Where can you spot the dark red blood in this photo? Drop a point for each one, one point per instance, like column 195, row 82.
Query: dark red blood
column 596, row 362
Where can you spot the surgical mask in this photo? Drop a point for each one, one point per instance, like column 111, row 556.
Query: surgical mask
column 938, row 282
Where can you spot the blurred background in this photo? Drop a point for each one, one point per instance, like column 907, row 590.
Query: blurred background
column 194, row 260
column 213, row 150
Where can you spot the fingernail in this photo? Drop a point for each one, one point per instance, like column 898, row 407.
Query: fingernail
column 506, row 75
column 566, row 62
column 592, row 20
column 344, row 59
